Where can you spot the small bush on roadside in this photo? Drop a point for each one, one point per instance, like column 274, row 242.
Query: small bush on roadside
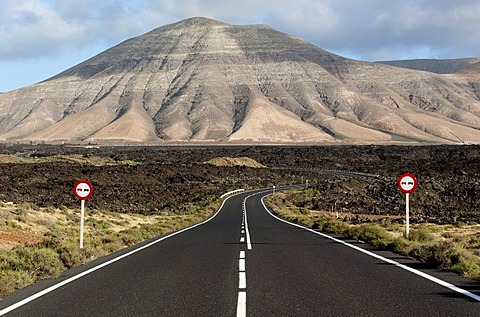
column 24, row 208
column 468, row 266
column 400, row 245
column 335, row 226
column 11, row 279
column 131, row 236
column 23, row 266
column 371, row 233
column 421, row 235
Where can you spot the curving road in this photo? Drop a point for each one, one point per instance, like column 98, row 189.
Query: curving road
column 245, row 262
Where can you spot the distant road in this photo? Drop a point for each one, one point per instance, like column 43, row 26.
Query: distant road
column 256, row 265
column 334, row 172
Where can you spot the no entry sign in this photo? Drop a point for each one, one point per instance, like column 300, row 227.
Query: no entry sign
column 83, row 189
column 407, row 183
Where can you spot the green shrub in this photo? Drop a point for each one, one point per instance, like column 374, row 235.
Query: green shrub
column 131, row 236
column 400, row 245
column 335, row 226
column 421, row 235
column 70, row 254
column 11, row 280
column 97, row 224
column 24, row 208
column 371, row 233
column 23, row 266
column 30, row 259
column 468, row 266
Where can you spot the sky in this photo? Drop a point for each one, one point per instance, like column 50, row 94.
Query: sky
column 41, row 38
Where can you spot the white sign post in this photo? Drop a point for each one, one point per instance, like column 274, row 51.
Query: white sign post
column 407, row 183
column 83, row 190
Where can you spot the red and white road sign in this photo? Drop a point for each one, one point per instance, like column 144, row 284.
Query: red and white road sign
column 407, row 183
column 83, row 189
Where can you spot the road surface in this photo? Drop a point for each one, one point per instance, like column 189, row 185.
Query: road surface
column 248, row 264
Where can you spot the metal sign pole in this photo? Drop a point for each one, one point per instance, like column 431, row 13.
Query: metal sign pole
column 407, row 212
column 407, row 183
column 82, row 217
column 83, row 190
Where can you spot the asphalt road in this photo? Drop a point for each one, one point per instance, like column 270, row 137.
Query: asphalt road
column 256, row 265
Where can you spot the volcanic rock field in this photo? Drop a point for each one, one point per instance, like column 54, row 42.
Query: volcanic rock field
column 149, row 180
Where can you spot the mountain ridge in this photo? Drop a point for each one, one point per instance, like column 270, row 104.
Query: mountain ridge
column 200, row 80
column 439, row 66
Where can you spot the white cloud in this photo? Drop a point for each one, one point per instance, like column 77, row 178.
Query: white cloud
column 366, row 29
column 36, row 28
column 32, row 28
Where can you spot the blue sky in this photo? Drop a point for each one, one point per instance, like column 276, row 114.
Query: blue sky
column 40, row 38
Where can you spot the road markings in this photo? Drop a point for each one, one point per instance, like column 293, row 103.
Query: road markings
column 242, row 280
column 245, row 222
column 242, row 304
column 402, row 266
column 242, row 239
column 242, row 285
column 104, row 264
column 241, row 265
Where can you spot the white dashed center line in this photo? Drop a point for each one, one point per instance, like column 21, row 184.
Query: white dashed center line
column 242, row 304
column 242, row 281
column 241, row 265
column 242, row 285
column 245, row 222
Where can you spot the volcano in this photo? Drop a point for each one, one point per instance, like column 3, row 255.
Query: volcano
column 207, row 81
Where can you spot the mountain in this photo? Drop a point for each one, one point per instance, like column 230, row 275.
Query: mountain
column 203, row 80
column 439, row 66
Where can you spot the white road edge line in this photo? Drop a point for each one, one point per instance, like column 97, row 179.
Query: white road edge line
column 405, row 267
column 93, row 269
column 242, row 304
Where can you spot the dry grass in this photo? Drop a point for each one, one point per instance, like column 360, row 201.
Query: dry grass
column 48, row 238
column 450, row 247
column 73, row 158
column 235, row 161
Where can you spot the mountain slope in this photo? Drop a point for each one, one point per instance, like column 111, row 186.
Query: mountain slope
column 439, row 66
column 203, row 80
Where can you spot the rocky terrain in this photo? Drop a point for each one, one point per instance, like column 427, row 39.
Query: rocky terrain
column 149, row 180
column 203, row 80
